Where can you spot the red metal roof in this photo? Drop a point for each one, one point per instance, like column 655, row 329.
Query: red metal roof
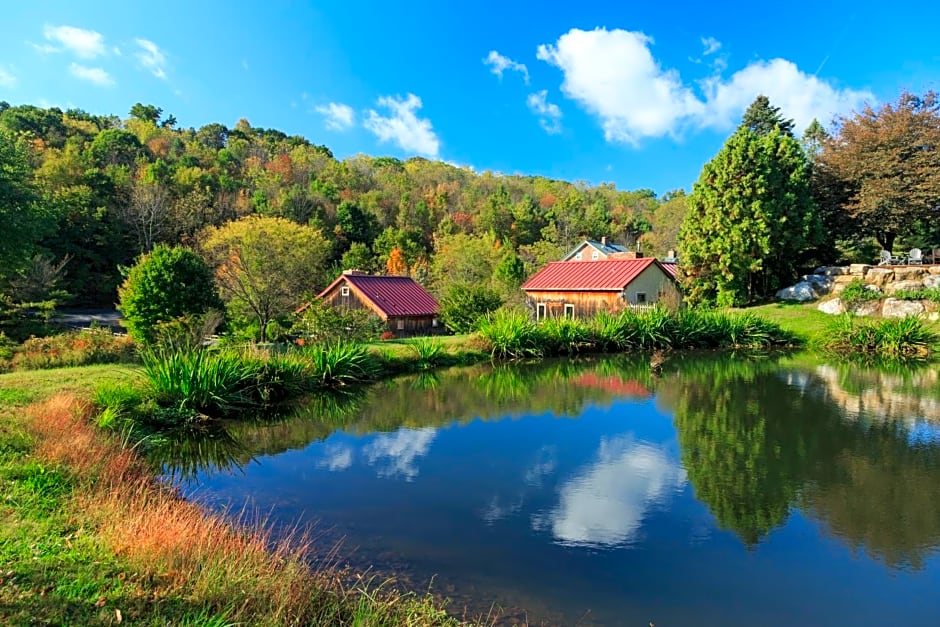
column 671, row 267
column 393, row 295
column 607, row 275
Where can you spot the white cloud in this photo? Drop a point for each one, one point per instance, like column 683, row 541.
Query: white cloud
column 7, row 78
column 799, row 95
column 403, row 127
column 549, row 114
column 151, row 57
column 86, row 44
column 606, row 503
column 613, row 75
column 116, row 51
column 44, row 48
column 336, row 457
column 711, row 45
column 399, row 451
column 499, row 64
column 338, row 117
column 94, row 75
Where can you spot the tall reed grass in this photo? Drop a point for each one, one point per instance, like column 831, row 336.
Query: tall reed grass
column 889, row 337
column 512, row 334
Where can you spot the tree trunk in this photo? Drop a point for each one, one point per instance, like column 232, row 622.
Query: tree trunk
column 264, row 329
column 886, row 239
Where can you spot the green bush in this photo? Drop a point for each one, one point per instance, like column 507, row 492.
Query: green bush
column 856, row 293
column 464, row 305
column 166, row 284
column 76, row 348
column 335, row 365
column 429, row 351
column 931, row 294
column 320, row 322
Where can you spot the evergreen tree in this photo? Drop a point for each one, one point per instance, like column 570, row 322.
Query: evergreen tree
column 750, row 217
column 762, row 118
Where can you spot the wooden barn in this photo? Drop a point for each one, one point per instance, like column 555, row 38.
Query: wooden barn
column 593, row 250
column 406, row 307
column 579, row 289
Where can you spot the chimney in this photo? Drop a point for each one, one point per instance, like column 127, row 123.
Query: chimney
column 354, row 272
column 671, row 254
column 603, row 240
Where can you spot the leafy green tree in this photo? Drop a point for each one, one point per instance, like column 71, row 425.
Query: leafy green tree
column 264, row 266
column 166, row 284
column 750, row 219
column 884, row 167
column 146, row 113
column 358, row 257
column 21, row 213
column 465, row 303
column 762, row 118
column 114, row 146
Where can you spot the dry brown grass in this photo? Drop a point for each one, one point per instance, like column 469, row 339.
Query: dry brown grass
column 241, row 571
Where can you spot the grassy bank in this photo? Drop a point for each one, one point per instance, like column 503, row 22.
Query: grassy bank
column 891, row 338
column 90, row 537
column 513, row 335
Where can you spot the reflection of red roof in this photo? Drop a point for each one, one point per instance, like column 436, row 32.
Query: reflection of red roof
column 606, row 275
column 630, row 387
column 393, row 295
column 671, row 267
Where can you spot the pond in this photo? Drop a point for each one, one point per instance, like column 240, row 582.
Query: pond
column 721, row 490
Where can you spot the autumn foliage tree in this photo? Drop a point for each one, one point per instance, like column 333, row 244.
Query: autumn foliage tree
column 883, row 167
column 396, row 264
column 264, row 266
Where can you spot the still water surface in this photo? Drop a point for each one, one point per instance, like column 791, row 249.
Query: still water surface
column 725, row 491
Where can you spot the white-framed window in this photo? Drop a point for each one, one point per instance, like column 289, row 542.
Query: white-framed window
column 578, row 257
column 540, row 311
column 344, row 291
column 433, row 322
column 641, row 298
column 401, row 324
column 595, row 256
column 569, row 311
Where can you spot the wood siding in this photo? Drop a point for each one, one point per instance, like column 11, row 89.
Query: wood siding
column 410, row 325
column 652, row 282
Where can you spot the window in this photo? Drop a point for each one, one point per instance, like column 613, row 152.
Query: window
column 344, row 290
column 434, row 322
column 578, row 257
column 401, row 324
column 540, row 311
column 595, row 256
column 569, row 311
column 641, row 298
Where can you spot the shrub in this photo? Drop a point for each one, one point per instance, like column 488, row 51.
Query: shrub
column 164, row 285
column 428, row 351
column 510, row 334
column 387, row 335
column 856, row 293
column 320, row 322
column 931, row 294
column 76, row 348
column 334, row 365
column 464, row 305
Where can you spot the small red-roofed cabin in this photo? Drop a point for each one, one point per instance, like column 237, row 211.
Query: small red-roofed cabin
column 406, row 307
column 580, row 289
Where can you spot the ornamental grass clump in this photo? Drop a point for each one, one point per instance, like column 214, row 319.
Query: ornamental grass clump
column 343, row 363
column 895, row 338
column 511, row 335
column 430, row 352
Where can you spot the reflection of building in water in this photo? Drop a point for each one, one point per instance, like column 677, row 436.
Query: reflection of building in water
column 616, row 385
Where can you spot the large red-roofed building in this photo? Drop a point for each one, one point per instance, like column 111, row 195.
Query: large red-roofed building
column 406, row 307
column 578, row 289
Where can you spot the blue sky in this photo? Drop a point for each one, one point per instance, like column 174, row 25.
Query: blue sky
column 638, row 94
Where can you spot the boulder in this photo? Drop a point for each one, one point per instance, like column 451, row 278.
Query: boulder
column 867, row 308
column 832, row 270
column 820, row 282
column 844, row 279
column 801, row 292
column 894, row 308
column 933, row 317
column 879, row 276
column 903, row 286
column 859, row 269
column 931, row 281
column 934, row 269
column 832, row 306
column 909, row 273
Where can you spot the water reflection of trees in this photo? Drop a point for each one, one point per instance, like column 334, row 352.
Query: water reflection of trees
column 758, row 437
column 755, row 444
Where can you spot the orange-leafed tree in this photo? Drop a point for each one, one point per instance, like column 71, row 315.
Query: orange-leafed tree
column 396, row 262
